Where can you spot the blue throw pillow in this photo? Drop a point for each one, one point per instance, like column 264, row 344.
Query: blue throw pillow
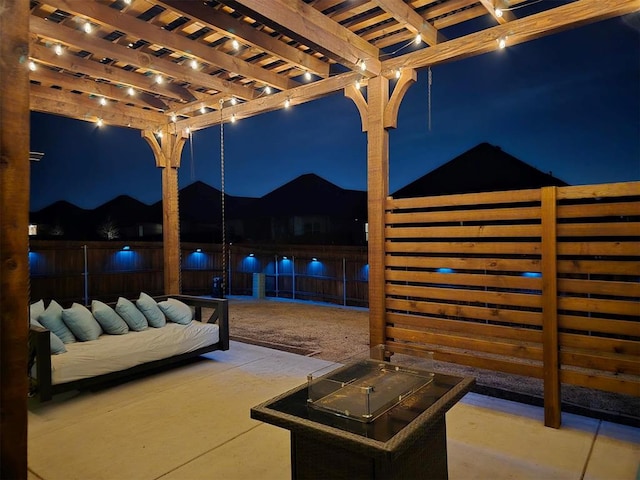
column 81, row 322
column 130, row 314
column 176, row 311
column 108, row 318
column 51, row 319
column 36, row 309
column 149, row 307
column 55, row 344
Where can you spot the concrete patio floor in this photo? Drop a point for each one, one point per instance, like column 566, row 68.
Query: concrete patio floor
column 193, row 422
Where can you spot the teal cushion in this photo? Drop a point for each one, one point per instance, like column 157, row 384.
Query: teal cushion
column 81, row 322
column 36, row 309
column 149, row 308
column 56, row 345
column 108, row 318
column 130, row 314
column 176, row 311
column 51, row 319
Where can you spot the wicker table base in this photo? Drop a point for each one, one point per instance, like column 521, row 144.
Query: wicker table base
column 408, row 441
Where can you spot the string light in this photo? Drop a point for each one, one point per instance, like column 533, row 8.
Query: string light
column 128, row 2
column 307, row 76
column 194, row 64
column 32, row 65
column 502, row 42
column 203, row 109
column 58, row 49
column 267, row 90
column 159, row 79
column 418, row 39
column 287, row 103
column 363, row 65
column 358, row 84
column 398, row 73
column 131, row 91
column 498, row 12
column 174, row 118
column 235, row 44
column 234, row 100
column 99, row 122
column 159, row 133
column 233, row 118
column 188, row 130
column 103, row 101
column 87, row 27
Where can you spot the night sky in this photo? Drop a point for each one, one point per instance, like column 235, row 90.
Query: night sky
column 567, row 104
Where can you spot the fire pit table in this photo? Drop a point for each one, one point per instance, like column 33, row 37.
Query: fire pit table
column 367, row 419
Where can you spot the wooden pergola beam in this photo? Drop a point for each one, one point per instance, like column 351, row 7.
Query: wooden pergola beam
column 69, row 82
column 310, row 27
column 296, row 96
column 247, row 34
column 116, row 76
column 406, row 15
column 102, row 48
column 151, row 33
column 80, row 107
column 580, row 12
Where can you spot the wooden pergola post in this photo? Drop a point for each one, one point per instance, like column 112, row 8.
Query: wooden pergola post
column 378, row 113
column 167, row 151
column 14, row 239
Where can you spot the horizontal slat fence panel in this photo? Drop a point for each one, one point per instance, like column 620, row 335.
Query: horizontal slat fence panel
column 463, row 278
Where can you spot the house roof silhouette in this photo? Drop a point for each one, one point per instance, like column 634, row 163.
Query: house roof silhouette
column 483, row 168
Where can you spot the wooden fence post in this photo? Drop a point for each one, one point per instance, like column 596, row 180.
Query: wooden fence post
column 551, row 353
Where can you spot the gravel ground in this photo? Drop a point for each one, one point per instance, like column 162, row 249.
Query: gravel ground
column 336, row 333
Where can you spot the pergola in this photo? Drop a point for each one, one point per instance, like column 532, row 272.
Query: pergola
column 173, row 66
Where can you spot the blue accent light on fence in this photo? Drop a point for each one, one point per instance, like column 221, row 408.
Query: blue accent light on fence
column 196, row 260
column 285, row 266
column 364, row 273
column 532, row 274
column 444, row 270
column 250, row 264
column 126, row 248
column 315, row 267
column 126, row 260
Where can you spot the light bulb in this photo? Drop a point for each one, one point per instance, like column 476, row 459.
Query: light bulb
column 418, row 39
column 235, row 44
column 203, row 109
column 103, row 101
column 159, row 134
column 363, row 65
column 502, row 42
column 159, row 79
column 233, row 100
column 99, row 122
column 267, row 90
column 174, row 118
column 58, row 49
column 194, row 64
column 499, row 12
column 287, row 103
column 233, row 118
column 358, row 84
column 307, row 76
column 32, row 66
column 188, row 130
column 398, row 73
column 87, row 27
column 131, row 91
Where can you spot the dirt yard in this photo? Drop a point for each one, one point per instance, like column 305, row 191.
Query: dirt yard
column 336, row 333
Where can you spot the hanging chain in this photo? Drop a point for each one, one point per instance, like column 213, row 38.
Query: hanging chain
column 193, row 166
column 224, row 235
column 429, row 96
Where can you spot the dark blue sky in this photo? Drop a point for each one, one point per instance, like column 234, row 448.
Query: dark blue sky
column 568, row 103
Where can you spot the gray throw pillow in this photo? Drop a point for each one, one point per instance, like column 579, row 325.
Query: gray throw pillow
column 130, row 314
column 108, row 318
column 51, row 319
column 149, row 307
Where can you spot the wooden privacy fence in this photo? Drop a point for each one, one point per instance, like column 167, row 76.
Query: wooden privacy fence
column 542, row 283
column 84, row 271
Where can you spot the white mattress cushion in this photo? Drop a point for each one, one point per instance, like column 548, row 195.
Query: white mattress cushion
column 112, row 353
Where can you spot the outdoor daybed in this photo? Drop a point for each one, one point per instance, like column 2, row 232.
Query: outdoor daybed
column 101, row 351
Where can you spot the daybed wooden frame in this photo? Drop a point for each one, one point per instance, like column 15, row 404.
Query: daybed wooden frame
column 40, row 351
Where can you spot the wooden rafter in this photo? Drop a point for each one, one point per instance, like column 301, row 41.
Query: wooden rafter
column 405, row 14
column 309, row 26
column 243, row 32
